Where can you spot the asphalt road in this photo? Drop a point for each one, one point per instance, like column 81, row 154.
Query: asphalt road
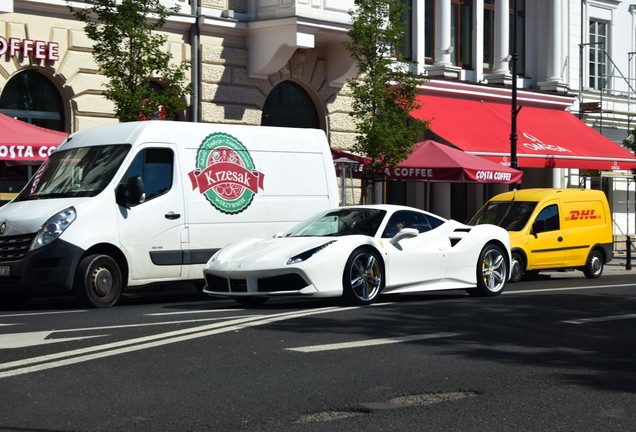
column 555, row 354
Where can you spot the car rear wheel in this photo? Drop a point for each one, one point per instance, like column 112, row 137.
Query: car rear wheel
column 594, row 266
column 363, row 277
column 492, row 271
column 98, row 281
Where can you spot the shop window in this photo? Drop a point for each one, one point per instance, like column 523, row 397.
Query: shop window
column 289, row 105
column 520, row 19
column 31, row 97
column 490, row 36
column 406, row 44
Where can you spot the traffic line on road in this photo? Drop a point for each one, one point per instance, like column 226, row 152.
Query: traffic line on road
column 41, row 313
column 371, row 342
column 50, row 361
column 576, row 288
column 601, row 319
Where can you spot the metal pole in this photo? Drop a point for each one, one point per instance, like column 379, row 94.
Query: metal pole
column 514, row 109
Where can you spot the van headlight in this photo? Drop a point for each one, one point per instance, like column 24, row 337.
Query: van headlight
column 54, row 227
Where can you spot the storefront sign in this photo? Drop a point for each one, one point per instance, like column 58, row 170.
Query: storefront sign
column 40, row 50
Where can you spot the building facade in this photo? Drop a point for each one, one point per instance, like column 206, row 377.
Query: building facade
column 283, row 62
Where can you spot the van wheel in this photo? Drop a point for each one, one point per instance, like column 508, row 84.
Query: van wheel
column 98, row 281
column 594, row 266
column 518, row 265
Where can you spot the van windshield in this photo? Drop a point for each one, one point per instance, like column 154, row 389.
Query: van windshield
column 510, row 215
column 77, row 172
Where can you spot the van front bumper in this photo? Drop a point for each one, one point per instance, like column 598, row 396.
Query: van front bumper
column 49, row 269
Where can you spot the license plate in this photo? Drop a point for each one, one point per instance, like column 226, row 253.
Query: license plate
column 5, row 271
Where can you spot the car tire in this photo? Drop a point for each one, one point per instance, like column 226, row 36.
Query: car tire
column 363, row 277
column 517, row 267
column 594, row 266
column 98, row 281
column 251, row 301
column 492, row 271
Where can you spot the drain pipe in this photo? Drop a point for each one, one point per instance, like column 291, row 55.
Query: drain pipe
column 195, row 31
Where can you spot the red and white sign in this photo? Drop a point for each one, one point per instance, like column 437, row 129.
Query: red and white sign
column 23, row 48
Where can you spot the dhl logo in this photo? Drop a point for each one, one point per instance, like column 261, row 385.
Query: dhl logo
column 582, row 215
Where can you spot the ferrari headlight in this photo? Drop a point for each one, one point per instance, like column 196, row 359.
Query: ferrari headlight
column 54, row 227
column 307, row 254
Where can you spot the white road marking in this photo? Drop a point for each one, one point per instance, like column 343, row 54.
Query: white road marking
column 371, row 342
column 55, row 360
column 41, row 313
column 578, row 288
column 601, row 319
column 28, row 339
column 193, row 312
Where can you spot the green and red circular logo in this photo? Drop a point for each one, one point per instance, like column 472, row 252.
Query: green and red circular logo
column 225, row 173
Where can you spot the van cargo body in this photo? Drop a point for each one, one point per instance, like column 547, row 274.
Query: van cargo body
column 145, row 203
column 553, row 229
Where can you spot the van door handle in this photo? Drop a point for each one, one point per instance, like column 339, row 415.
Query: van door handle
column 172, row 215
column 560, row 238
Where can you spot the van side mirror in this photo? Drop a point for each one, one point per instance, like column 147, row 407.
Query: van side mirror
column 537, row 227
column 131, row 193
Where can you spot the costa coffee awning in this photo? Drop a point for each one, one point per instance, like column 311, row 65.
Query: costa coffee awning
column 547, row 138
column 435, row 162
column 22, row 142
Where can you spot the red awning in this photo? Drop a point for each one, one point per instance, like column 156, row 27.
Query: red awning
column 547, row 138
column 435, row 162
column 20, row 141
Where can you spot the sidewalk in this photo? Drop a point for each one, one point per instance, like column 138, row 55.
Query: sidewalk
column 619, row 262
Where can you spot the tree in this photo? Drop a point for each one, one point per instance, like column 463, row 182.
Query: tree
column 130, row 54
column 384, row 92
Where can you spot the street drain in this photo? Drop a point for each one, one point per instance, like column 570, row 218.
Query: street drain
column 402, row 401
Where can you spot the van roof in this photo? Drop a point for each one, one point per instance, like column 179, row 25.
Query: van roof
column 539, row 194
column 172, row 131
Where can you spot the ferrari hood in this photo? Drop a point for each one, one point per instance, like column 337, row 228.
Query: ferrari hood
column 253, row 250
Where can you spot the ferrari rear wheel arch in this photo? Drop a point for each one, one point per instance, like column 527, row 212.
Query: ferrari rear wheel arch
column 363, row 277
column 492, row 270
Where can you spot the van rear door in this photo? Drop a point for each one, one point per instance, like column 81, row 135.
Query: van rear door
column 151, row 231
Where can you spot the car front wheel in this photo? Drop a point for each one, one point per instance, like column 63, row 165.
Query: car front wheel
column 363, row 277
column 492, row 271
column 98, row 281
column 517, row 267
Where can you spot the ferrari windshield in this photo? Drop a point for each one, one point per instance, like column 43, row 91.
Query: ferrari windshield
column 340, row 222
column 510, row 215
column 77, row 172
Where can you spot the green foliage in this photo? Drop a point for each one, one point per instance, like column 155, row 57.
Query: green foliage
column 384, row 93
column 131, row 55
column 630, row 144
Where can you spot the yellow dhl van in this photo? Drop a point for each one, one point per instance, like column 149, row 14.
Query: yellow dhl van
column 553, row 229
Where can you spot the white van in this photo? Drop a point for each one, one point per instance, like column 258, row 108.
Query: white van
column 143, row 203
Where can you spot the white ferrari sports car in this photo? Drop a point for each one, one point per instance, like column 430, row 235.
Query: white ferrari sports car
column 359, row 252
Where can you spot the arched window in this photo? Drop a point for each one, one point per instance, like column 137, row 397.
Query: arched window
column 289, row 105
column 32, row 98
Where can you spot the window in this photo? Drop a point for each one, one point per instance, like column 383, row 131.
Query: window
column 547, row 219
column 461, row 33
column 408, row 219
column 596, row 53
column 429, row 30
column 406, row 44
column 32, row 98
column 489, row 35
column 521, row 32
column 289, row 105
column 155, row 167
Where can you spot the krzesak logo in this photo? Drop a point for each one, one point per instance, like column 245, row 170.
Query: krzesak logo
column 225, row 173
